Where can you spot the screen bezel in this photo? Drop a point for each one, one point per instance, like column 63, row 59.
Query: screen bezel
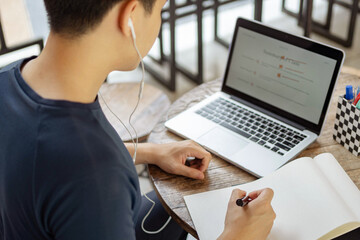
column 301, row 42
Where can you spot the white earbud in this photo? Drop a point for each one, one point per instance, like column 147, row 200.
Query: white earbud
column 131, row 25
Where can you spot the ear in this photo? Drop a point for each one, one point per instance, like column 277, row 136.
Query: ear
column 127, row 12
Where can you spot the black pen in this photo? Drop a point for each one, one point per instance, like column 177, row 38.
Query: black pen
column 242, row 202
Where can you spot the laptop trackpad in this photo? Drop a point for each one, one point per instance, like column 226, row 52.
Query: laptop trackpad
column 222, row 141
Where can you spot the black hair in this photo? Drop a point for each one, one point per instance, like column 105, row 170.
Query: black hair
column 74, row 18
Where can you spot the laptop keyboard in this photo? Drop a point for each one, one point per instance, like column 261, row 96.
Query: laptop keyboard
column 263, row 131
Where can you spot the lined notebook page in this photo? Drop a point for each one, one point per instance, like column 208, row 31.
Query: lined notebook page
column 306, row 205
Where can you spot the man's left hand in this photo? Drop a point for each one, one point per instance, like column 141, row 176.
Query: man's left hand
column 172, row 157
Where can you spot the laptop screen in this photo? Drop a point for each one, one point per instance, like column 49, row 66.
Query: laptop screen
column 291, row 78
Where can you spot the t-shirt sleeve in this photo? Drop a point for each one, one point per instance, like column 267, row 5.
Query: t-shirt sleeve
column 96, row 206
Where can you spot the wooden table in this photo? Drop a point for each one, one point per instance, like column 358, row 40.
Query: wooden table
column 121, row 98
column 171, row 189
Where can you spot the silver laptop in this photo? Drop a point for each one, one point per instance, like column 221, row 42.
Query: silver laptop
column 275, row 95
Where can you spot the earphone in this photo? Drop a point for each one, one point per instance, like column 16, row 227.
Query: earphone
column 132, row 29
column 131, row 25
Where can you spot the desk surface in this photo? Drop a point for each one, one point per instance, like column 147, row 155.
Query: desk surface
column 221, row 174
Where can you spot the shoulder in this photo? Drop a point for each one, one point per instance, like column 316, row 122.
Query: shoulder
column 77, row 143
column 8, row 72
column 13, row 65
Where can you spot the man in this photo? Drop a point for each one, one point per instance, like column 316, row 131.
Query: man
column 64, row 172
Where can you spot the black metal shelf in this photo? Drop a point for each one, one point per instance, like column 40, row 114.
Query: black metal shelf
column 304, row 17
column 176, row 11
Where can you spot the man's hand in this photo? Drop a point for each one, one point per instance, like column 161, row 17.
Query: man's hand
column 171, row 157
column 254, row 221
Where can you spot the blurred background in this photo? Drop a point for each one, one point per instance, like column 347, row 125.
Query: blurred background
column 25, row 20
column 334, row 22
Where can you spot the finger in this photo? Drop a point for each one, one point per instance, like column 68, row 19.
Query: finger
column 236, row 194
column 205, row 163
column 190, row 172
column 194, row 164
column 265, row 195
column 200, row 153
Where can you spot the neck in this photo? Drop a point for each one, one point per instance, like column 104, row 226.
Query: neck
column 68, row 70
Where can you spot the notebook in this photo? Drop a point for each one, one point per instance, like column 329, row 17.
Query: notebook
column 317, row 201
column 273, row 102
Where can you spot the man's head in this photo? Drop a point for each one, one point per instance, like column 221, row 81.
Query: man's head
column 101, row 26
column 73, row 18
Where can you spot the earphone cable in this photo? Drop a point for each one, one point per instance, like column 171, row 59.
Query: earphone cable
column 107, row 106
column 139, row 97
column 146, row 216
column 135, row 143
column 137, row 140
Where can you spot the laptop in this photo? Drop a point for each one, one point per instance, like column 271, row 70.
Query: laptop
column 274, row 98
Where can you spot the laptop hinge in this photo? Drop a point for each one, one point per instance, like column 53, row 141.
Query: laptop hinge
column 267, row 112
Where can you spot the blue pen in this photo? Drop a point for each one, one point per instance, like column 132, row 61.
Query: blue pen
column 349, row 93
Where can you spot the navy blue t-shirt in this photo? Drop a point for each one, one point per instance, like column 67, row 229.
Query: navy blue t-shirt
column 64, row 171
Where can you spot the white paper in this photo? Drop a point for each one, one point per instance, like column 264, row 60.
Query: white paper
column 340, row 181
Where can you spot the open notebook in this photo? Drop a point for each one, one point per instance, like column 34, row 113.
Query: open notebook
column 313, row 199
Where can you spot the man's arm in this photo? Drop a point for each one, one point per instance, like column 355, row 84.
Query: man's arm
column 145, row 154
column 171, row 157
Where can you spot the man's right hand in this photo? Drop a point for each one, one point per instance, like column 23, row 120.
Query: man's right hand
column 254, row 221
